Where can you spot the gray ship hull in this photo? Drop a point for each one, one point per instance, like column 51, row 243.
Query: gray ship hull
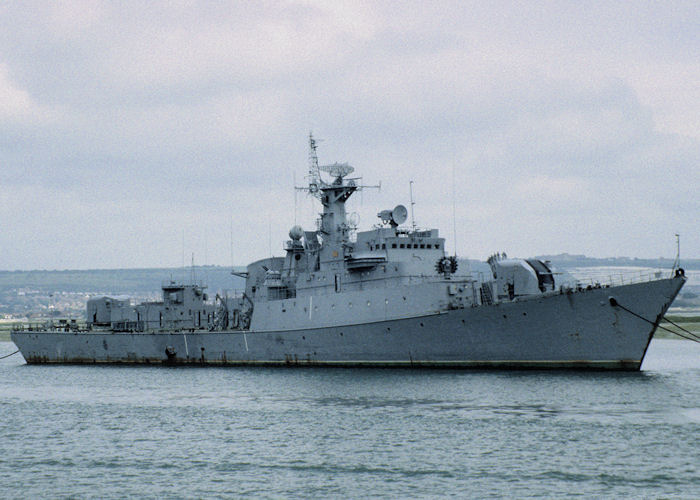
column 571, row 330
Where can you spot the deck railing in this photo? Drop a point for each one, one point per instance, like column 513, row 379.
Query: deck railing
column 49, row 325
column 615, row 277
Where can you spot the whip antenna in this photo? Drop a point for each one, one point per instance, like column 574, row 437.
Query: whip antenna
column 677, row 262
column 413, row 219
column 454, row 208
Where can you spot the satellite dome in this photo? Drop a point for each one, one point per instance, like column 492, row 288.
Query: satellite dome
column 296, row 233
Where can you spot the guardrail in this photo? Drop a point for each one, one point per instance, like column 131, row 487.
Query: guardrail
column 602, row 277
column 49, row 325
column 169, row 283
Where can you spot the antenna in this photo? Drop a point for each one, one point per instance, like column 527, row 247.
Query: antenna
column 677, row 262
column 315, row 181
column 192, row 270
column 337, row 169
column 206, row 274
column 454, row 208
column 314, row 176
column 413, row 219
column 231, row 243
column 313, row 157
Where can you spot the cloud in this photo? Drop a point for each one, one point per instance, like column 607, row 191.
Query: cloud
column 564, row 127
column 16, row 104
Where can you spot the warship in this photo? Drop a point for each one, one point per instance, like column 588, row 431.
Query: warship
column 389, row 296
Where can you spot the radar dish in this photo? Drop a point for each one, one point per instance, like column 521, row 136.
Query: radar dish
column 399, row 214
column 337, row 169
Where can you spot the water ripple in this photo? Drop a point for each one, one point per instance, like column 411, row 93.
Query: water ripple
column 114, row 432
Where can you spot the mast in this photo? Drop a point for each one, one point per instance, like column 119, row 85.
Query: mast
column 315, row 181
column 334, row 228
column 333, row 225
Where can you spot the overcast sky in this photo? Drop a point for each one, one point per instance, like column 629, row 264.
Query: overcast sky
column 133, row 133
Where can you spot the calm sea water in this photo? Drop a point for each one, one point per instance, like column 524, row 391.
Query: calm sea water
column 86, row 431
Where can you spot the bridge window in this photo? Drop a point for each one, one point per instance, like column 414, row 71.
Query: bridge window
column 393, row 245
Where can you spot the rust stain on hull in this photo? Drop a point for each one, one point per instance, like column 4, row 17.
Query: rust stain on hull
column 291, row 361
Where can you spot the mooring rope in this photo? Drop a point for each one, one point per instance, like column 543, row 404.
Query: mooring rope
column 681, row 328
column 8, row 355
column 692, row 336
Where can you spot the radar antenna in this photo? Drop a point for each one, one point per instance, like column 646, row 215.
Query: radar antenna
column 337, row 169
column 339, row 172
column 315, row 181
column 313, row 156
